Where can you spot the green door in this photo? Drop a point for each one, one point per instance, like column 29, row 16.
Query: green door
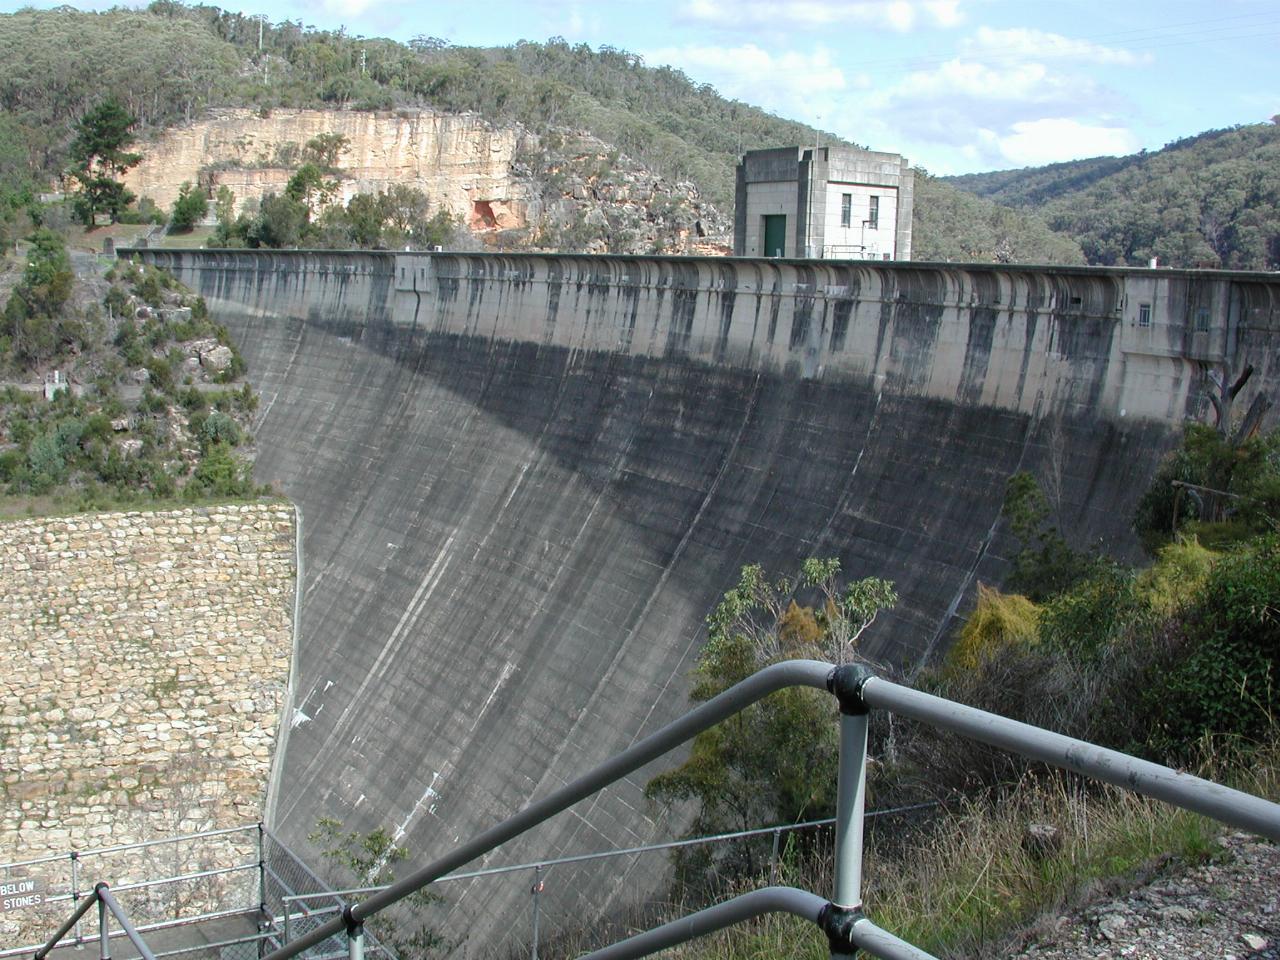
column 775, row 235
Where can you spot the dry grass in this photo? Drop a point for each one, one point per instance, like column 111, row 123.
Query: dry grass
column 972, row 886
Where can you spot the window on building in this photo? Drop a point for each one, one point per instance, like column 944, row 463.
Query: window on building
column 846, row 209
column 1202, row 318
column 873, row 217
column 1144, row 314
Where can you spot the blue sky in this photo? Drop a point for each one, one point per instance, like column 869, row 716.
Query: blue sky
column 956, row 85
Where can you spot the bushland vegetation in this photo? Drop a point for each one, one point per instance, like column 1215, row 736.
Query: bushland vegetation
column 1207, row 200
column 305, row 215
column 149, row 405
column 169, row 62
column 369, row 860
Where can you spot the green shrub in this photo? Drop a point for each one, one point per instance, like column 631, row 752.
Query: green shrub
column 117, row 301
column 151, row 401
column 1095, row 613
column 160, row 374
column 219, row 474
column 1222, row 678
column 150, row 291
column 193, row 400
column 162, row 484
column 97, row 427
column 47, row 462
column 1177, row 577
column 12, row 463
column 217, row 428
column 1247, row 474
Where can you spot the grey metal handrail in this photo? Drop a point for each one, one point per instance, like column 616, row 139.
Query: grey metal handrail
column 748, row 906
column 863, row 933
column 105, row 902
column 139, row 845
column 63, row 930
column 858, row 690
column 1184, row 790
column 809, row 673
column 104, row 895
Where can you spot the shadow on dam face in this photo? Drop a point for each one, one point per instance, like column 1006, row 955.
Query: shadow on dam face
column 510, row 547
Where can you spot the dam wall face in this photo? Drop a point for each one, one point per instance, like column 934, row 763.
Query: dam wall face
column 526, row 480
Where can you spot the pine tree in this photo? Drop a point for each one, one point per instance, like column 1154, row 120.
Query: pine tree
column 99, row 157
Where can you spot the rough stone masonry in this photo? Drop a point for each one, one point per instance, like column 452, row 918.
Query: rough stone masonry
column 144, row 660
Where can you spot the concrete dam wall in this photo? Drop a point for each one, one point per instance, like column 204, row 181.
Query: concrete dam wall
column 525, row 481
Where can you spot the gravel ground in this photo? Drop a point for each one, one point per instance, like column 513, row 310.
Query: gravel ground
column 1224, row 909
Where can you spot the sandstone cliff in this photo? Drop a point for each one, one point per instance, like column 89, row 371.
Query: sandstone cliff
column 457, row 159
column 510, row 186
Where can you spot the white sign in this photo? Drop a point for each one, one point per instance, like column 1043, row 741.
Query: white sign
column 20, row 894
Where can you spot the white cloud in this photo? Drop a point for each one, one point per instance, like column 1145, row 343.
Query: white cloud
column 899, row 15
column 793, row 82
column 1027, row 43
column 961, row 78
column 347, row 8
column 969, row 114
column 946, row 13
column 1051, row 140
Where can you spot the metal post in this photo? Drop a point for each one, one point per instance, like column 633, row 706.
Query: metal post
column 262, row 868
column 773, row 859
column 288, row 909
column 355, row 942
column 75, row 888
column 104, row 942
column 850, row 799
column 537, row 889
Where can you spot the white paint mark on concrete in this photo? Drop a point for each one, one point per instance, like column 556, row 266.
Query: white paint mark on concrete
column 429, row 794
column 507, row 670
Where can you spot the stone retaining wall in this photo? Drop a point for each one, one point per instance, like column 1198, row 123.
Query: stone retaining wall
column 144, row 659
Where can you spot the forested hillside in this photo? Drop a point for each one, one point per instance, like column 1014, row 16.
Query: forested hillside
column 1209, row 200
column 951, row 224
column 169, row 62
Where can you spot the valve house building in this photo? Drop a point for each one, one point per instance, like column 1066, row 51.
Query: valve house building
column 836, row 203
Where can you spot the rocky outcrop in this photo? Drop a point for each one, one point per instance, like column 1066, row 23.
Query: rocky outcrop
column 1227, row 907
column 597, row 200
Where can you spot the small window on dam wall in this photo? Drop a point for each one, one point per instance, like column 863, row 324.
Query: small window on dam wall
column 1144, row 314
column 482, row 217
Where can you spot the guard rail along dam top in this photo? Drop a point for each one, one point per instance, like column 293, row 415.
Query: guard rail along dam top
column 525, row 480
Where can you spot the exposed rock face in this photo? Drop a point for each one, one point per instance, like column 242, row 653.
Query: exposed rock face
column 143, row 670
column 511, row 187
column 458, row 160
column 596, row 200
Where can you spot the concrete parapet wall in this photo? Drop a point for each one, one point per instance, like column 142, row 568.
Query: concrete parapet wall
column 144, row 668
column 1037, row 341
